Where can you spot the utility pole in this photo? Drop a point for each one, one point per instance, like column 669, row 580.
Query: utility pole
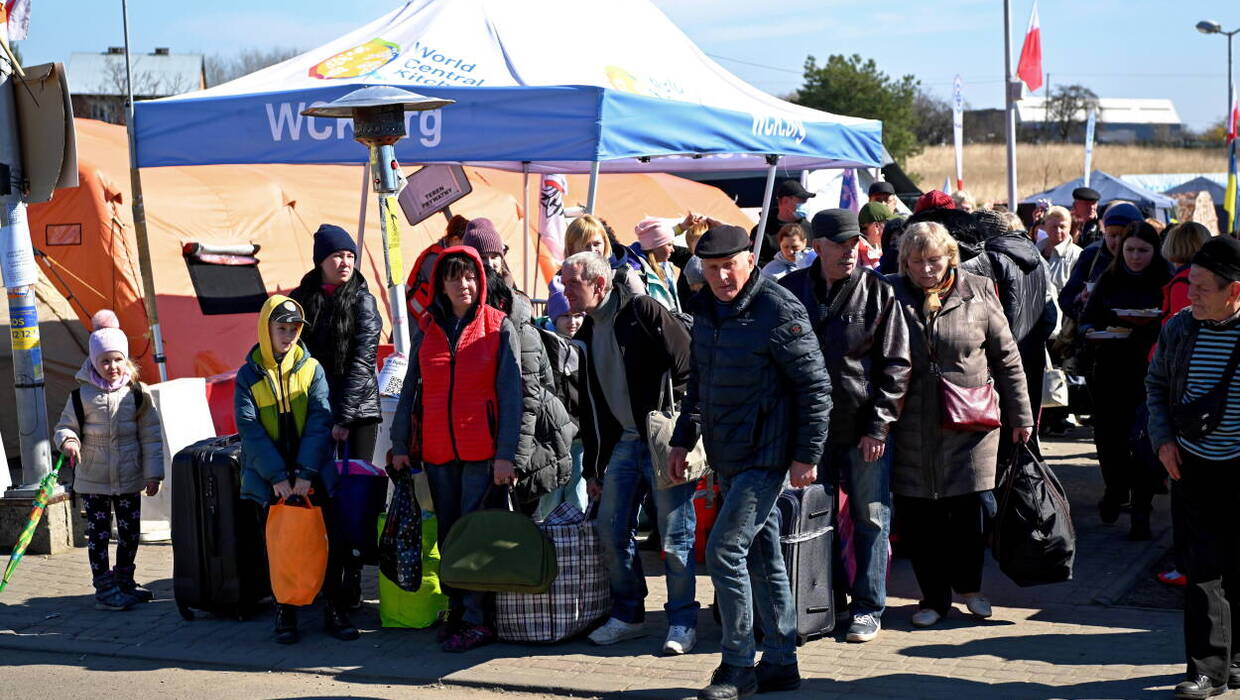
column 1010, row 103
column 20, row 276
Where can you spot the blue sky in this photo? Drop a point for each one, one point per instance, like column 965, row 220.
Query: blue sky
column 1118, row 48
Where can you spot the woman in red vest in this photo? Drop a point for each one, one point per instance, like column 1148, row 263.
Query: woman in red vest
column 460, row 414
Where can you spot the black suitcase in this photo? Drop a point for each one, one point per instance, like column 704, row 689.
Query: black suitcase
column 219, row 554
column 807, row 532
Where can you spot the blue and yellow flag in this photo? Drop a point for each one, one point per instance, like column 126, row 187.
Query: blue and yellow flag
column 1229, row 199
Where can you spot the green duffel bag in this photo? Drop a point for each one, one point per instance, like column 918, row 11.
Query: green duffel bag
column 418, row 610
column 498, row 551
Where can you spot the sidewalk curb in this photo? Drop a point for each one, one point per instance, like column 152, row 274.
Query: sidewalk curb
column 1137, row 568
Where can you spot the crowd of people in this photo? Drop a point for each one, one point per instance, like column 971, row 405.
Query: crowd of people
column 899, row 359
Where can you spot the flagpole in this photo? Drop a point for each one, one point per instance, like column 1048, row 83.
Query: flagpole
column 1009, row 103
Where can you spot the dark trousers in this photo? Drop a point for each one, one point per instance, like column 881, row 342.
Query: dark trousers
column 947, row 542
column 99, row 508
column 1208, row 493
column 1118, row 399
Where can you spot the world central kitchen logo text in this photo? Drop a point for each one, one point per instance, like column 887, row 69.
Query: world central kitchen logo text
column 779, row 127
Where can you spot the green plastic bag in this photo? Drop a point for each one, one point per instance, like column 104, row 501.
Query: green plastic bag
column 420, row 609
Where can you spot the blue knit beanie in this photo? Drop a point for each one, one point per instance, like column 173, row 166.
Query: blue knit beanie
column 329, row 239
column 1121, row 214
column 557, row 305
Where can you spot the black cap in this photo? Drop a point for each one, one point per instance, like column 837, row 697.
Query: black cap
column 722, row 241
column 1220, row 255
column 836, row 225
column 882, row 188
column 287, row 312
column 1087, row 194
column 792, row 188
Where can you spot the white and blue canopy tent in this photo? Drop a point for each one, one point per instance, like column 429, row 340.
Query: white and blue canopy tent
column 554, row 86
column 1111, row 188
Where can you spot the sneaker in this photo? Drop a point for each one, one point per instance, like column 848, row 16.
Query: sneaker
column 978, row 605
column 729, row 683
column 773, row 678
column 864, row 628
column 470, row 637
column 114, row 599
column 680, row 640
column 614, row 631
column 123, row 575
column 1172, row 577
column 926, row 617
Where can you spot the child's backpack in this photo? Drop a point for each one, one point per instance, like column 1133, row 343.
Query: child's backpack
column 567, row 367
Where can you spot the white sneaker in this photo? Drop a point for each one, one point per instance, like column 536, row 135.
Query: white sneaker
column 978, row 605
column 614, row 631
column 926, row 617
column 680, row 640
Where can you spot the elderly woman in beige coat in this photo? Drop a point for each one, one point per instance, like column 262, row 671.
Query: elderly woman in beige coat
column 942, row 475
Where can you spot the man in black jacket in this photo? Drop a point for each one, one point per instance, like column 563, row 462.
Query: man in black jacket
column 759, row 397
column 864, row 339
column 636, row 351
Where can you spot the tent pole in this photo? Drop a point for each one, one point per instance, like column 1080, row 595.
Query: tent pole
column 361, row 214
column 771, row 162
column 139, row 213
column 525, row 226
column 590, row 199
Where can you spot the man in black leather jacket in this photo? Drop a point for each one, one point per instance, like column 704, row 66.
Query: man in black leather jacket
column 864, row 340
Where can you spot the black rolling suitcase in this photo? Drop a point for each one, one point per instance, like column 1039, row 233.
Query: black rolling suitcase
column 219, row 557
column 807, row 532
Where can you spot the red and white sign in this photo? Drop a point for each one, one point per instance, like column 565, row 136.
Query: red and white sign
column 1030, row 67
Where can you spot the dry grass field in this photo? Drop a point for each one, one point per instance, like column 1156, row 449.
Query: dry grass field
column 1040, row 167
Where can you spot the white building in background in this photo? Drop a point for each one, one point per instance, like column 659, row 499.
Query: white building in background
column 1120, row 120
column 97, row 80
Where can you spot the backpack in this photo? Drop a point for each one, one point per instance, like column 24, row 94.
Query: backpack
column 79, row 411
column 565, row 357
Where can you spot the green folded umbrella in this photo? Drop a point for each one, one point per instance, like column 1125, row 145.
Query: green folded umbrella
column 36, row 514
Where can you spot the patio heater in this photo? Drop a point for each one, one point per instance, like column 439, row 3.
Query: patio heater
column 378, row 115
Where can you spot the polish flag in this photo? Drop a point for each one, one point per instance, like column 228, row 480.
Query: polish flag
column 1030, row 67
column 18, row 12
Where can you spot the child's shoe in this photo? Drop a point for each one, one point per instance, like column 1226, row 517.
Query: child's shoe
column 124, row 581
column 109, row 596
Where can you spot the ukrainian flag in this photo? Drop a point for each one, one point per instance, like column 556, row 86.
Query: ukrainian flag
column 1229, row 199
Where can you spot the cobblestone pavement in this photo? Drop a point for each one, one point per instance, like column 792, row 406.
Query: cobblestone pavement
column 1059, row 641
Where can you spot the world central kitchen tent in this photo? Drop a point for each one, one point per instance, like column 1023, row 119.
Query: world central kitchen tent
column 548, row 85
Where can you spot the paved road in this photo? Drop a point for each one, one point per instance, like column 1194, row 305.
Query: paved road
column 1044, row 642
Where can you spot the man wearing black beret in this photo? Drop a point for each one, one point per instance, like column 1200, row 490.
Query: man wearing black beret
column 759, row 397
column 1085, row 216
column 1193, row 395
column 789, row 195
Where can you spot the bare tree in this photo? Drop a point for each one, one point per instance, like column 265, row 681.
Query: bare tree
column 221, row 69
column 934, row 119
column 1067, row 108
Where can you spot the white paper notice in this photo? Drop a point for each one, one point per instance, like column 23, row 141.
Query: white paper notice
column 16, row 252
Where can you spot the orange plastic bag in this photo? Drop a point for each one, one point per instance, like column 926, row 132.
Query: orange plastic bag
column 296, row 551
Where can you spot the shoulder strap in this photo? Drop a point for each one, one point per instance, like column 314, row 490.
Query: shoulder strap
column 78, row 409
column 139, row 398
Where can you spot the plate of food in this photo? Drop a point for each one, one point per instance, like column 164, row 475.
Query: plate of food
column 1138, row 313
column 1110, row 333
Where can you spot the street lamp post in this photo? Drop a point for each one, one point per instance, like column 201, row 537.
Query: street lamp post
column 1211, row 27
column 378, row 115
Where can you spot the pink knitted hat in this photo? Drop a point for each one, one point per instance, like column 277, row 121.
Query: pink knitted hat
column 652, row 233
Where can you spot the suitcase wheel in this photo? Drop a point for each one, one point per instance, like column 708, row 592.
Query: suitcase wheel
column 186, row 613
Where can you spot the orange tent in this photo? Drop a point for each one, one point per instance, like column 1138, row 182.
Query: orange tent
column 89, row 249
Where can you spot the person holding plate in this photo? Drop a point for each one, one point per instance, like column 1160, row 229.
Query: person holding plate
column 1119, row 321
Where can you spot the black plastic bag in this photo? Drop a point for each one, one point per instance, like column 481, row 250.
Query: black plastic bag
column 400, row 542
column 1034, row 540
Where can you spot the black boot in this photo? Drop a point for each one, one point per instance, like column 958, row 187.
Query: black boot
column 1199, row 688
column 1108, row 510
column 777, row 677
column 729, row 683
column 337, row 623
column 351, row 591
column 124, row 581
column 1139, row 530
column 286, row 624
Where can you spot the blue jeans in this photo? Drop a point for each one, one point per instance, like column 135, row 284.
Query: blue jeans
column 869, row 500
column 574, row 491
column 629, row 476
column 457, row 489
column 747, row 567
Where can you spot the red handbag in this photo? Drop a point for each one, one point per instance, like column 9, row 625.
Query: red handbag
column 969, row 409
